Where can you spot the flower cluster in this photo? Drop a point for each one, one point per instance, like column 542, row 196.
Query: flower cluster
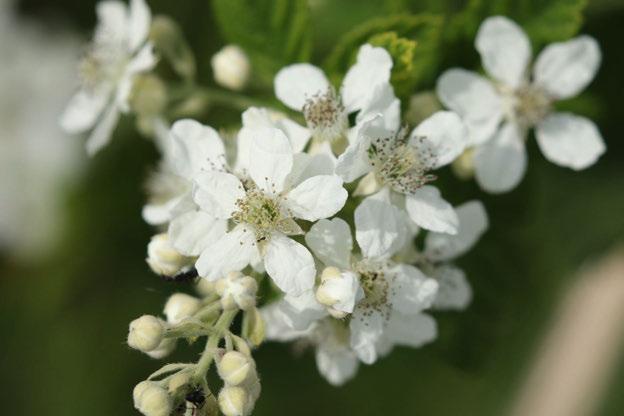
column 321, row 206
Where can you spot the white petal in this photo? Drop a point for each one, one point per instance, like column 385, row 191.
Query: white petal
column 296, row 83
column 501, row 162
column 382, row 101
column 367, row 327
column 301, row 312
column 473, row 222
column 317, row 197
column 474, row 99
column 298, row 135
column 454, row 291
column 217, row 192
column 103, row 131
column 412, row 291
column 505, row 50
column 337, row 365
column 192, row 232
column 232, row 252
column 380, row 228
column 444, row 135
column 144, row 60
column 289, row 264
column 277, row 326
column 411, row 331
column 160, row 213
column 569, row 140
column 195, row 148
column 306, row 166
column 354, row 162
column 271, row 159
column 83, row 111
column 372, row 68
column 430, row 211
column 331, row 242
column 113, row 21
column 140, row 19
column 564, row 69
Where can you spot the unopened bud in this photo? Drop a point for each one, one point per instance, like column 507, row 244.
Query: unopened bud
column 233, row 401
column 237, row 291
column 463, row 167
column 146, row 333
column 162, row 258
column 231, row 67
column 234, row 367
column 180, row 306
column 166, row 347
column 205, row 287
column 338, row 291
column 151, row 399
column 148, row 95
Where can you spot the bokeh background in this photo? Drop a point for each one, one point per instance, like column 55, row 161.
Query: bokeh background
column 67, row 298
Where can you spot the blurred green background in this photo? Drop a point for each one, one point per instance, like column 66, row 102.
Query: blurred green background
column 64, row 319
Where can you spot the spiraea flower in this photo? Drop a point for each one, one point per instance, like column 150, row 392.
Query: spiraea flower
column 394, row 161
column 391, row 291
column 118, row 53
column 264, row 207
column 499, row 112
column 365, row 89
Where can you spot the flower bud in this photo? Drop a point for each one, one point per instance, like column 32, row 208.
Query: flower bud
column 162, row 258
column 205, row 287
column 179, row 380
column 180, row 306
column 166, row 347
column 231, row 67
column 148, row 95
column 237, row 290
column 234, row 367
column 233, row 401
column 338, row 291
column 463, row 167
column 146, row 333
column 151, row 399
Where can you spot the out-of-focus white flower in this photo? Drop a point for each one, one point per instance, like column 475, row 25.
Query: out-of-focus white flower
column 395, row 161
column 119, row 52
column 500, row 112
column 365, row 89
column 39, row 163
column 237, row 291
column 231, row 67
column 264, row 207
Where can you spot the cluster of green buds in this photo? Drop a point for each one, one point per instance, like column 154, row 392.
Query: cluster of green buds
column 183, row 388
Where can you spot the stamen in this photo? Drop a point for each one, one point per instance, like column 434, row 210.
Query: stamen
column 326, row 116
column 400, row 164
column 376, row 283
column 263, row 213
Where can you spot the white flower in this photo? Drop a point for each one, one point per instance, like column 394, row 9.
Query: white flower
column 395, row 161
column 441, row 249
column 231, row 67
column 192, row 148
column 365, row 89
column 500, row 112
column 393, row 292
column 264, row 207
column 119, row 52
column 237, row 291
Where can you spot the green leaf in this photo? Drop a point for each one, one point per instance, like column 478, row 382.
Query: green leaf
column 253, row 327
column 553, row 20
column 273, row 32
column 412, row 40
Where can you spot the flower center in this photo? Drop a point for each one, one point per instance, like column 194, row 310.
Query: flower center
column 400, row 164
column 325, row 116
column 265, row 214
column 375, row 283
column 530, row 104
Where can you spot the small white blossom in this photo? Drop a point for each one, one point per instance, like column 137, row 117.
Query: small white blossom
column 394, row 161
column 264, row 207
column 365, row 89
column 392, row 292
column 231, row 67
column 500, row 112
column 119, row 52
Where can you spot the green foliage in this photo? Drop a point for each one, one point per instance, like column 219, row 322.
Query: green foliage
column 273, row 32
column 413, row 41
column 553, row 20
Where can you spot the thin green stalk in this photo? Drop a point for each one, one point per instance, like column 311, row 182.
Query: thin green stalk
column 222, row 325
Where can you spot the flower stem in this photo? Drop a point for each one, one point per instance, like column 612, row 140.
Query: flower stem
column 223, row 323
